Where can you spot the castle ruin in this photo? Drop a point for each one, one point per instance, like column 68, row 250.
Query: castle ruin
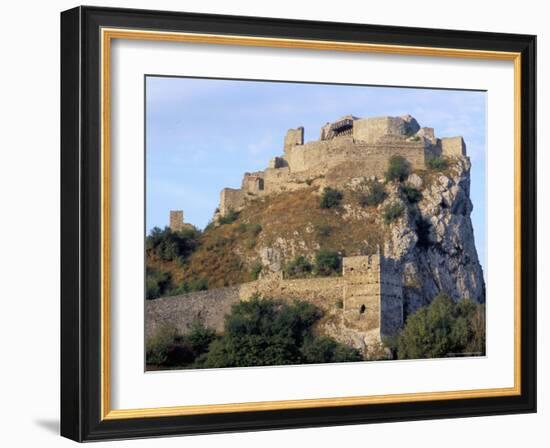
column 368, row 301
column 347, row 148
column 176, row 221
column 369, row 290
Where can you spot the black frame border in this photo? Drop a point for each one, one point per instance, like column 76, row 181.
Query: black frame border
column 81, row 223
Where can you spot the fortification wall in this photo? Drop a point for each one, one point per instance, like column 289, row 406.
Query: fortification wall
column 294, row 137
column 370, row 130
column 369, row 289
column 453, row 146
column 210, row 307
column 180, row 312
column 348, row 148
column 373, row 157
column 231, row 199
column 323, row 292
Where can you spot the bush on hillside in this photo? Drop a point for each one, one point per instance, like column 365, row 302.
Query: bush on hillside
column 374, row 196
column 157, row 283
column 327, row 262
column 437, row 163
column 330, row 198
column 187, row 286
column 170, row 245
column 392, row 212
column 230, row 217
column 398, row 169
column 298, row 267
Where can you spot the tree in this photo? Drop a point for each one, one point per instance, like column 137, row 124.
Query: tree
column 157, row 283
column 398, row 169
column 170, row 245
column 261, row 332
column 443, row 328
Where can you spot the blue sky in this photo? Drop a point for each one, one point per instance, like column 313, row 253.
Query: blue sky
column 203, row 134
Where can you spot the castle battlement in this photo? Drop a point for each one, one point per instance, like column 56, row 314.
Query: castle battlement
column 349, row 147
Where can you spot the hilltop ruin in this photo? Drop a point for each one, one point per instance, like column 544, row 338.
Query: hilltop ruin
column 347, row 148
column 389, row 269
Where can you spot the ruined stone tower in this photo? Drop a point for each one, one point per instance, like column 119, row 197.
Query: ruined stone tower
column 176, row 220
column 373, row 296
column 349, row 147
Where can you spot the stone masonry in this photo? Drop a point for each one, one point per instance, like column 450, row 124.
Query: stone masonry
column 349, row 147
column 176, row 221
column 369, row 289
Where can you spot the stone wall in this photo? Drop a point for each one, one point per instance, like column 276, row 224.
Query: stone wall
column 453, row 146
column 337, row 157
column 373, row 296
column 323, row 292
column 370, row 130
column 231, row 199
column 369, row 289
column 294, row 137
column 180, row 312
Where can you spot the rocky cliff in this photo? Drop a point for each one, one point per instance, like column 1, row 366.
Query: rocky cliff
column 434, row 240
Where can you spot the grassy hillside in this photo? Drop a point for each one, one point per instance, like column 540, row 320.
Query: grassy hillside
column 229, row 253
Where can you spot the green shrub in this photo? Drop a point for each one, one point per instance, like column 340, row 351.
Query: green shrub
column 261, row 332
column 171, row 245
column 255, row 270
column 437, row 163
column 156, row 347
column 411, row 194
column 375, row 195
column 398, row 169
column 169, row 349
column 199, row 284
column 339, row 304
column 299, row 267
column 330, row 198
column 200, row 337
column 325, row 349
column 157, row 283
column 327, row 262
column 392, row 212
column 443, row 328
column 230, row 217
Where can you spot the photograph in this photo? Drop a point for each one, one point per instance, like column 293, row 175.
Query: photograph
column 274, row 222
column 291, row 223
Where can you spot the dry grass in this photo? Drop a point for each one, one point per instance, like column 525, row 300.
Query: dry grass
column 227, row 253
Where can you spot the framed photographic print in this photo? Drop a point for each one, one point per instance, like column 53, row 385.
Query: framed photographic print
column 273, row 223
